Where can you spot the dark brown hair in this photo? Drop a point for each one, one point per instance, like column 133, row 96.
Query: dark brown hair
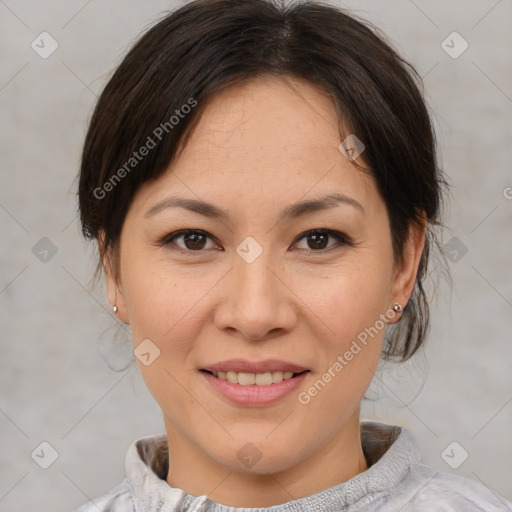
column 157, row 95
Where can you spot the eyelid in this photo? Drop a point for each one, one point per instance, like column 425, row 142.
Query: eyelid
column 343, row 240
column 338, row 235
column 166, row 240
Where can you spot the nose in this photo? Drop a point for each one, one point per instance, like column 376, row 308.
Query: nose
column 257, row 302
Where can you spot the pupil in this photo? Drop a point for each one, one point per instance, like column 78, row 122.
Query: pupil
column 195, row 240
column 315, row 238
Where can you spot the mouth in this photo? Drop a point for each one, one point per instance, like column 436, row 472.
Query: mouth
column 253, row 384
column 258, row 379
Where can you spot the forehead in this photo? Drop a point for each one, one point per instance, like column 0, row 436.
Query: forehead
column 286, row 99
column 272, row 137
column 251, row 112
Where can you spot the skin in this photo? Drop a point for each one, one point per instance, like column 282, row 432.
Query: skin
column 258, row 148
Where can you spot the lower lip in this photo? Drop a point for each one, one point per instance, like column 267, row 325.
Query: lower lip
column 253, row 395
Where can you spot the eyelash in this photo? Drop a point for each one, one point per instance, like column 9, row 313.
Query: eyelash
column 342, row 239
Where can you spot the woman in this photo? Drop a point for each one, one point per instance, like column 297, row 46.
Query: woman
column 262, row 184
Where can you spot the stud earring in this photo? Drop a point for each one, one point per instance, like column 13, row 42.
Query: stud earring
column 397, row 307
column 115, row 309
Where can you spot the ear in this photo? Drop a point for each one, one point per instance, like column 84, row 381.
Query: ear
column 110, row 264
column 407, row 270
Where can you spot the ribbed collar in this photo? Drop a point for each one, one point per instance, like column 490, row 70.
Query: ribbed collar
column 390, row 452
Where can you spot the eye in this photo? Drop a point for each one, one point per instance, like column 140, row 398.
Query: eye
column 194, row 240
column 318, row 238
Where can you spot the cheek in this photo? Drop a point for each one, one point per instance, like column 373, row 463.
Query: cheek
column 160, row 300
column 165, row 309
column 169, row 308
column 352, row 308
column 349, row 299
column 351, row 305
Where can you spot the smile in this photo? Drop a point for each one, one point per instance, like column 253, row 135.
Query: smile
column 253, row 389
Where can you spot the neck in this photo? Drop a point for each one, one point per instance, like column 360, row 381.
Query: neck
column 197, row 474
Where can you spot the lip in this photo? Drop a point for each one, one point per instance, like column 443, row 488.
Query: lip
column 246, row 366
column 254, row 395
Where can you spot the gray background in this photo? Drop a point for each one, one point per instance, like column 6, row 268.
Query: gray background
column 57, row 330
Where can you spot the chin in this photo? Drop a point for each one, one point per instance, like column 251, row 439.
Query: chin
column 258, row 457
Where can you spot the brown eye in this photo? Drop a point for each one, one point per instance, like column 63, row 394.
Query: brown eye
column 317, row 240
column 192, row 240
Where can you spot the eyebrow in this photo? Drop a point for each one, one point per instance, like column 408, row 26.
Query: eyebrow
column 292, row 211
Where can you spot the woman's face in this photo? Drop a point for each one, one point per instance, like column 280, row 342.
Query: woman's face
column 255, row 289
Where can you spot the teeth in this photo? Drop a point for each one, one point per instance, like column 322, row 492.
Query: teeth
column 263, row 379
column 246, row 379
column 260, row 379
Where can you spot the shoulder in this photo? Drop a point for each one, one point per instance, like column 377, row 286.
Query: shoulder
column 398, row 480
column 117, row 499
column 434, row 490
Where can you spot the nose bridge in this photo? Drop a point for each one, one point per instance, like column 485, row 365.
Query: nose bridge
column 255, row 275
column 258, row 301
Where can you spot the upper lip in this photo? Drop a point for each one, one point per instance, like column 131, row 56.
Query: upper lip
column 246, row 366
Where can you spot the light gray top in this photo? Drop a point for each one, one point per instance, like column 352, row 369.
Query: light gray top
column 394, row 481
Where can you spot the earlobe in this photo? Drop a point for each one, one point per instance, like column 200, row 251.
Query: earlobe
column 114, row 294
column 395, row 310
column 116, row 299
column 405, row 276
